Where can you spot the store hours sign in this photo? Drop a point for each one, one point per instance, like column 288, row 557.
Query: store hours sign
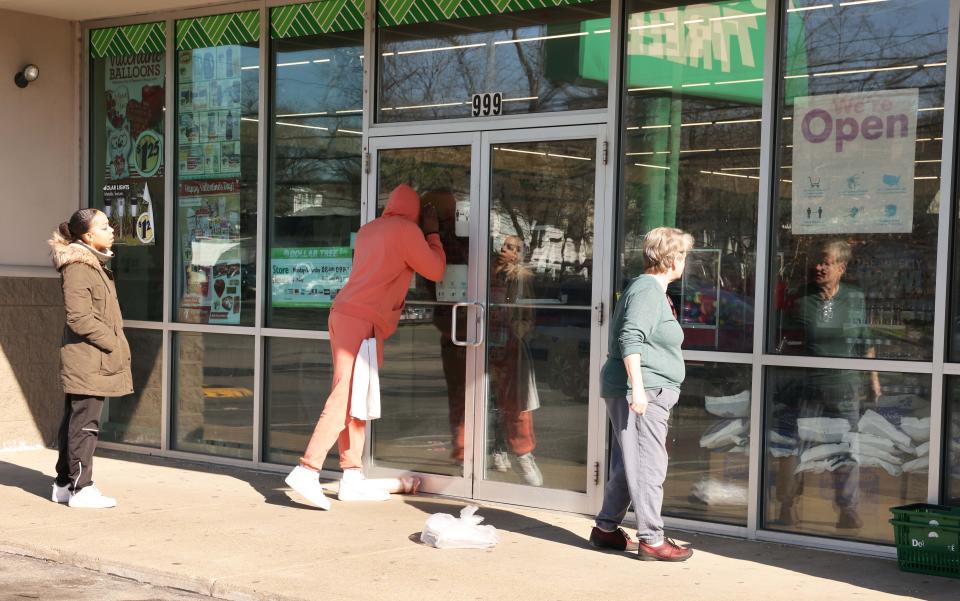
column 853, row 162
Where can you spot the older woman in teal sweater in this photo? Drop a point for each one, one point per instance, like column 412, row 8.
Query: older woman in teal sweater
column 640, row 383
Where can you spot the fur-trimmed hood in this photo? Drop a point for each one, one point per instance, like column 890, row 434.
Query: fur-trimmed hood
column 63, row 253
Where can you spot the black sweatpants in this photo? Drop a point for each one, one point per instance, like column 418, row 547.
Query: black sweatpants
column 77, row 440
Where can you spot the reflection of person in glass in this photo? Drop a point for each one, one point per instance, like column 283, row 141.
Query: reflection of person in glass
column 387, row 253
column 511, row 369
column 640, row 384
column 831, row 316
column 452, row 356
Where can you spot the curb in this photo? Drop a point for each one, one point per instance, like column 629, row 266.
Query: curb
column 200, row 586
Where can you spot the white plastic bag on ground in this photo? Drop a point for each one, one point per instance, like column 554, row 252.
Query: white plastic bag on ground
column 444, row 531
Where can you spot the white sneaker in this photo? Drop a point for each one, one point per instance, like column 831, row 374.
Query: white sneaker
column 501, row 461
column 90, row 497
column 529, row 470
column 353, row 487
column 307, row 483
column 61, row 494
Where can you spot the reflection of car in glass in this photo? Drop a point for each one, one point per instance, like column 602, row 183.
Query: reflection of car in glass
column 561, row 355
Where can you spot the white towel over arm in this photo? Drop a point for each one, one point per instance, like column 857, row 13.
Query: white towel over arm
column 365, row 392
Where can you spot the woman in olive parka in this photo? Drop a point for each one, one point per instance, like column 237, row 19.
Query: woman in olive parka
column 94, row 354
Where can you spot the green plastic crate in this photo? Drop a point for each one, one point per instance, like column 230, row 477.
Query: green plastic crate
column 928, row 539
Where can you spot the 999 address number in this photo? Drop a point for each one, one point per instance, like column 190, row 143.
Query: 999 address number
column 485, row 105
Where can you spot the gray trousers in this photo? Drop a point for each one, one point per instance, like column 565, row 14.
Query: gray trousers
column 638, row 464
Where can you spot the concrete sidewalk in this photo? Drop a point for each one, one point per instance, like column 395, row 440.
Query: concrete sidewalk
column 236, row 534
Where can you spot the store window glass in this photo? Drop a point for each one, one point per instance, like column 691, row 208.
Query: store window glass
column 858, row 169
column 837, row 456
column 298, row 375
column 212, row 394
column 218, row 98
column 692, row 95
column 127, row 117
column 135, row 418
column 316, row 159
column 489, row 58
column 952, row 443
column 709, row 445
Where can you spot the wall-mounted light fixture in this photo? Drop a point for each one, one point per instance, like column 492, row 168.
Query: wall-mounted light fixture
column 28, row 74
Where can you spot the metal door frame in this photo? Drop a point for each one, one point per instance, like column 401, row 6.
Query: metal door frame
column 519, row 494
column 471, row 484
column 459, row 486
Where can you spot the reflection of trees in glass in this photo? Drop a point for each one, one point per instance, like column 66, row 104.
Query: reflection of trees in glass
column 548, row 201
column 317, row 126
column 444, row 64
column 425, row 170
column 896, row 45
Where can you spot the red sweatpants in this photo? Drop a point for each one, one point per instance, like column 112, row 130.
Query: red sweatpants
column 335, row 423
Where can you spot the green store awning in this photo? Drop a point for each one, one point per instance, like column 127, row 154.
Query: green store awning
column 408, row 12
column 315, row 18
column 218, row 30
column 143, row 38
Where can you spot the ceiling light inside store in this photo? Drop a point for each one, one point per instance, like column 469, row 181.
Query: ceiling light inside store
column 320, row 60
column 653, row 26
column 288, row 115
column 519, row 99
column 350, row 131
column 723, row 83
column 856, row 71
column 743, row 16
column 293, row 64
column 346, row 111
column 858, row 2
column 423, row 106
column 567, row 156
column 928, row 65
column 441, row 49
column 543, row 37
column 542, row 154
column 284, row 123
column 249, row 67
column 805, row 8
column 652, row 166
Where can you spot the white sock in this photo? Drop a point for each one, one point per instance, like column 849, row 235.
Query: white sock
column 655, row 545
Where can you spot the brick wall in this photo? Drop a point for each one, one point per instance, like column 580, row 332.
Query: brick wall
column 31, row 325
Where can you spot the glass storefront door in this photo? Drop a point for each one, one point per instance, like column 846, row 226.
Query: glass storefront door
column 487, row 384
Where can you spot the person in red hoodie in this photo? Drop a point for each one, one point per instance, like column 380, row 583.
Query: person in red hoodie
column 387, row 252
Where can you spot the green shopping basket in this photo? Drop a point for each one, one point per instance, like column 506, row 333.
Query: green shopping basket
column 927, row 538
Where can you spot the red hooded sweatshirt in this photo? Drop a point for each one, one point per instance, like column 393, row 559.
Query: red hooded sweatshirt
column 387, row 252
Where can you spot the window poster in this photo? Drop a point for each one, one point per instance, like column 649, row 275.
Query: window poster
column 133, row 110
column 208, row 169
column 209, row 214
column 309, row 277
column 853, row 162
